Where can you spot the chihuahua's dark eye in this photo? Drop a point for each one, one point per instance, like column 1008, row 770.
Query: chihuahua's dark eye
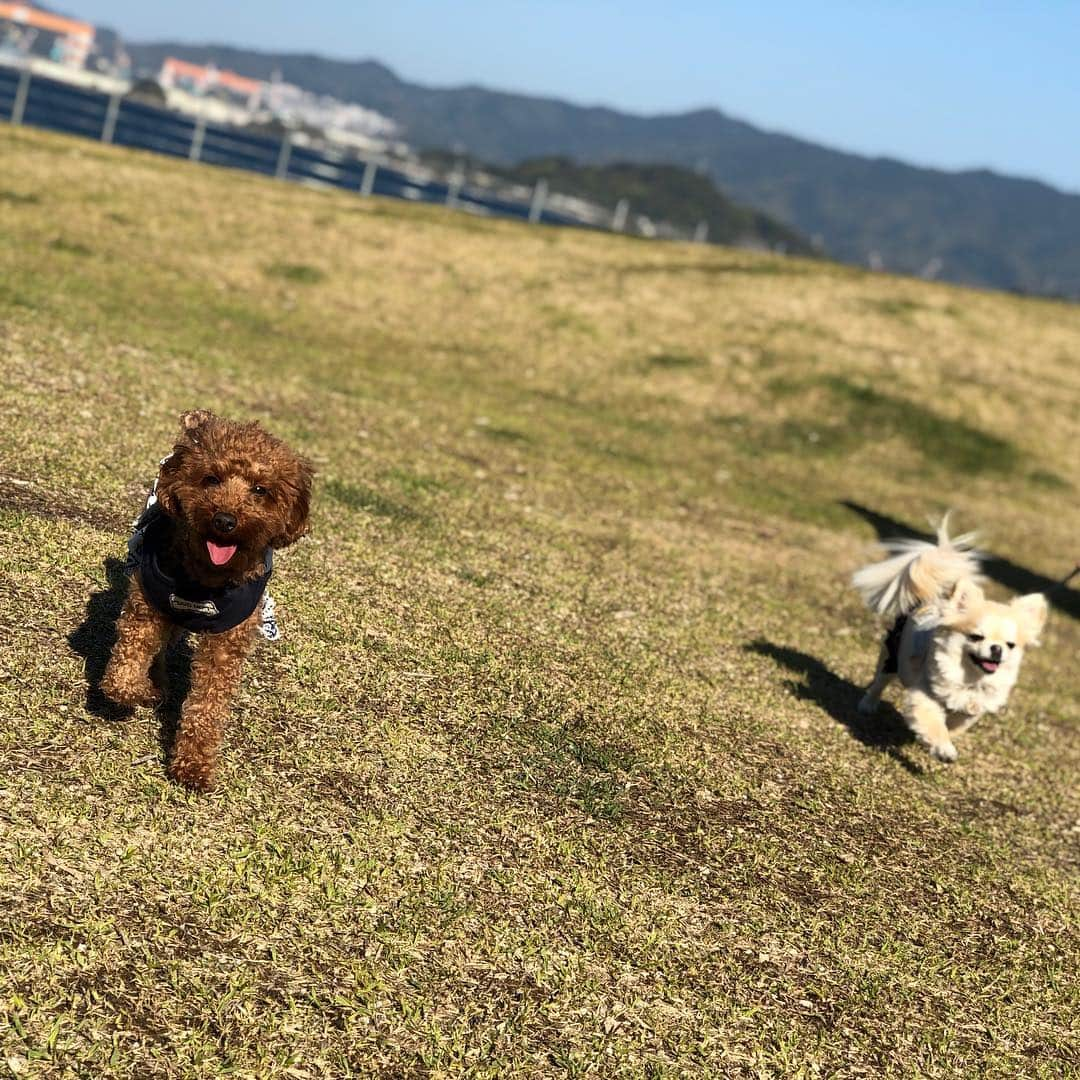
column 975, row 637
column 1011, row 644
column 211, row 481
column 258, row 489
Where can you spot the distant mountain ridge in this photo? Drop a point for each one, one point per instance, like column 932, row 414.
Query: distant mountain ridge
column 977, row 228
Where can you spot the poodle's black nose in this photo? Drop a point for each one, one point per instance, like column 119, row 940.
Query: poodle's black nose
column 995, row 652
column 225, row 523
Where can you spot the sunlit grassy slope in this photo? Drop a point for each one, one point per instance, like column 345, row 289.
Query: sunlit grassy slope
column 557, row 771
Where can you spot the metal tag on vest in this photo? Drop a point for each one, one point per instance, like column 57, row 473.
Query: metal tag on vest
column 193, row 607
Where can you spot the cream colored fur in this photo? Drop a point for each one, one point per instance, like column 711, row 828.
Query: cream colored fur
column 917, row 571
column 960, row 653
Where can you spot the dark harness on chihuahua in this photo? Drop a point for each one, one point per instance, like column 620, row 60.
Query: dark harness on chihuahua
column 892, row 645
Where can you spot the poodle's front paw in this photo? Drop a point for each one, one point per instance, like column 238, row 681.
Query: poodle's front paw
column 193, row 772
column 868, row 705
column 130, row 692
column 944, row 751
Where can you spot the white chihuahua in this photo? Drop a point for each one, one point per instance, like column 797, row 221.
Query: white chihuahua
column 956, row 653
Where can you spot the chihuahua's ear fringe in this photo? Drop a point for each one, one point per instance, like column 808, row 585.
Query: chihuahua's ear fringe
column 965, row 598
column 1031, row 613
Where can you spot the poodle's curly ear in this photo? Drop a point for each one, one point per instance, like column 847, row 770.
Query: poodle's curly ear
column 192, row 423
column 297, row 489
column 194, row 419
column 1031, row 612
column 169, row 480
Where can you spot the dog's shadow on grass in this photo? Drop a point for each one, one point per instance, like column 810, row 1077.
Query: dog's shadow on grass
column 1005, row 572
column 884, row 731
column 94, row 639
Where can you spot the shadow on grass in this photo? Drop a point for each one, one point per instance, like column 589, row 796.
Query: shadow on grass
column 174, row 672
column 885, row 731
column 299, row 273
column 675, row 360
column 1004, row 571
column 360, row 497
column 765, row 268
column 94, row 639
column 855, row 415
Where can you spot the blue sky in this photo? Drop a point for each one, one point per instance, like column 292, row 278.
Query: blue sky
column 954, row 84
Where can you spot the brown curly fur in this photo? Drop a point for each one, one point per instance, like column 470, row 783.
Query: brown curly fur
column 216, row 466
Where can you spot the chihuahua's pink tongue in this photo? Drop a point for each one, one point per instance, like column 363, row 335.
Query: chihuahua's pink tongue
column 220, row 554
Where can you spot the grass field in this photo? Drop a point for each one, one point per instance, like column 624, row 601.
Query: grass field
column 557, row 770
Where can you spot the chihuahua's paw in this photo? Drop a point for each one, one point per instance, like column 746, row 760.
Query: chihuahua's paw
column 944, row 752
column 868, row 705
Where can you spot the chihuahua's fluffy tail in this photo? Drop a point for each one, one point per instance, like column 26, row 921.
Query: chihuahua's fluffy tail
column 917, row 572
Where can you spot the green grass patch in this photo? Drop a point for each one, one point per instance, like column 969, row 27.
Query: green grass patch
column 504, row 434
column 296, row 273
column 791, row 500
column 1050, row 481
column 944, row 441
column 764, row 266
column 674, row 360
column 19, row 198
column 565, row 318
column 896, row 307
column 852, row 415
column 473, row 577
column 11, row 295
column 575, row 764
column 415, row 483
column 69, row 247
column 370, row 501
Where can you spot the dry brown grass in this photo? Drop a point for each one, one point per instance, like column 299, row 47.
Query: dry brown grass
column 557, row 770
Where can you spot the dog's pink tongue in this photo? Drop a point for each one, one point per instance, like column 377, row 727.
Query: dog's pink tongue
column 220, row 554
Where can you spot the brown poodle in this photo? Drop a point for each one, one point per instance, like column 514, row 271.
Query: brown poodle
column 201, row 557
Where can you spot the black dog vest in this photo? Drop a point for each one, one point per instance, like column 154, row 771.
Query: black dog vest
column 186, row 602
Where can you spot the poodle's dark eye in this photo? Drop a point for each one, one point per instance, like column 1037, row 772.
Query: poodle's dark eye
column 1011, row 644
column 975, row 637
column 258, row 489
column 211, row 481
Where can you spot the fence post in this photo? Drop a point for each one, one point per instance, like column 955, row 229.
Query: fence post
column 108, row 129
column 282, row 170
column 21, row 93
column 197, row 133
column 367, row 181
column 539, row 198
column 618, row 221
column 453, row 188
column 701, row 233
